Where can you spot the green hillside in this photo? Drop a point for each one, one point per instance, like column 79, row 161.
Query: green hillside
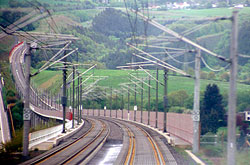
column 116, row 77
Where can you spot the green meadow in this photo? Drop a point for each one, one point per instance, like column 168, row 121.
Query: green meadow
column 116, row 77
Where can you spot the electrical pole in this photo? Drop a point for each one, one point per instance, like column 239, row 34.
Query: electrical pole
column 37, row 99
column 149, row 100
column 128, row 103
column 196, row 106
column 26, row 110
column 73, row 99
column 99, row 112
column 185, row 64
column 78, row 99
column 42, row 99
column 231, row 120
column 110, row 101
column 122, row 107
column 116, row 105
column 48, row 100
column 141, row 100
column 51, row 101
column 81, row 100
column 165, row 99
column 59, row 102
column 156, row 102
column 64, row 97
column 135, row 105
column 105, row 102
column 70, row 100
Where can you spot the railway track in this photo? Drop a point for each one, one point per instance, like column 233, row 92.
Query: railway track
column 73, row 152
column 131, row 149
column 85, row 153
column 157, row 152
column 139, row 147
column 128, row 153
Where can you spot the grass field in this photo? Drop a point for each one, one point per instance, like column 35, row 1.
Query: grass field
column 197, row 13
column 193, row 14
column 115, row 77
column 5, row 3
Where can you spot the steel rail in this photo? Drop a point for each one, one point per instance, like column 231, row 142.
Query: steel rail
column 131, row 151
column 77, row 153
column 130, row 154
column 60, row 149
column 157, row 152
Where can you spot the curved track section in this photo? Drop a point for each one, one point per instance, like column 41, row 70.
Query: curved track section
column 141, row 146
column 16, row 58
column 78, row 148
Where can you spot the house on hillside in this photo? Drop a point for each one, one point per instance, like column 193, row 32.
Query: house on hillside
column 247, row 115
column 183, row 5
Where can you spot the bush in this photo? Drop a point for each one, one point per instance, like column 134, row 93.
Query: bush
column 17, row 114
column 15, row 4
column 177, row 109
column 10, row 93
column 11, row 99
column 243, row 100
column 247, row 81
column 211, row 76
column 225, row 76
column 15, row 145
column 88, row 5
column 177, row 98
column 40, row 64
column 203, row 75
column 212, row 151
column 222, row 4
column 188, row 103
column 190, row 71
column 222, row 133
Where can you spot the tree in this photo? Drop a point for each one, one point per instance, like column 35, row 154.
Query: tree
column 247, row 2
column 212, row 110
column 211, row 76
column 243, row 127
column 243, row 101
column 225, row 76
column 244, row 40
column 177, row 98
